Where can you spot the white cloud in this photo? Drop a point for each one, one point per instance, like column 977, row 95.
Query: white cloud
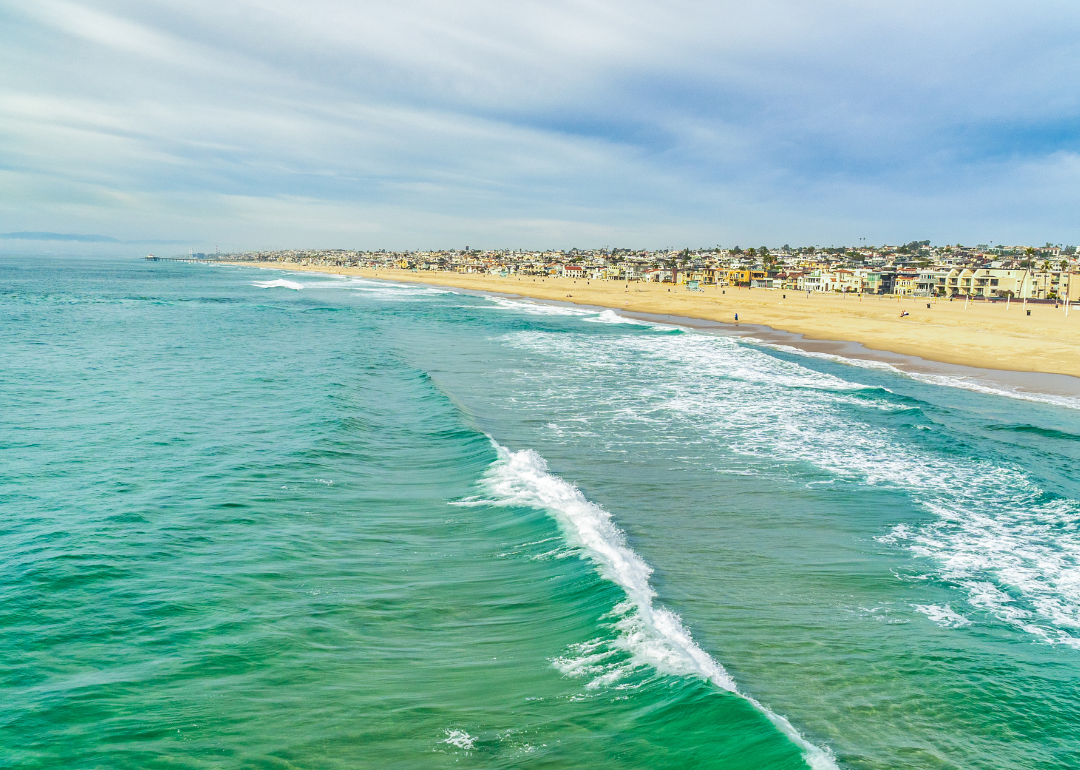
column 763, row 121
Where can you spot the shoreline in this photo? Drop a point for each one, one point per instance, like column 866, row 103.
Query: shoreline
column 919, row 354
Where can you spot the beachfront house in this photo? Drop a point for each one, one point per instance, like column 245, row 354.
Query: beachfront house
column 869, row 281
column 907, row 279
column 845, row 280
column 988, row 282
column 931, row 282
column 737, row 277
column 815, row 280
column 792, row 280
column 1055, row 284
column 712, row 275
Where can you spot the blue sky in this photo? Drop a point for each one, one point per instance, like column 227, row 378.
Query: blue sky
column 268, row 124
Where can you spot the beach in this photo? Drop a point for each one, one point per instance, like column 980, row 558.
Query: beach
column 973, row 334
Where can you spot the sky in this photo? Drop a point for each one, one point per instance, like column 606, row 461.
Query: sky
column 259, row 124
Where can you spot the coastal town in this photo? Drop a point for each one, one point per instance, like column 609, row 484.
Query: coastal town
column 915, row 269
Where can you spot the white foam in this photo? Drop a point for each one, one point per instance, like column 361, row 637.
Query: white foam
column 612, row 317
column 1018, row 560
column 942, row 380
column 377, row 289
column 653, row 636
column 280, row 283
column 967, row 383
column 589, row 315
column 536, row 308
column 460, row 739
column 388, row 289
column 991, row 524
column 944, row 616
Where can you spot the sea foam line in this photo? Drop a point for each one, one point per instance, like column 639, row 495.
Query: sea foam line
column 280, row 283
column 996, row 535
column 653, row 635
column 942, row 380
column 374, row 288
column 605, row 316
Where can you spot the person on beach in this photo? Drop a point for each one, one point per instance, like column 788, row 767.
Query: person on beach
column 736, row 318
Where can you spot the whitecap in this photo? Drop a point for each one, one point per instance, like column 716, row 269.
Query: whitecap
column 990, row 523
column 280, row 283
column 652, row 635
column 943, row 615
column 941, row 380
column 612, row 317
column 536, row 308
column 460, row 739
column 589, row 315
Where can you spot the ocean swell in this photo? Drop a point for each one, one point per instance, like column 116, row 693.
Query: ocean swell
column 652, row 635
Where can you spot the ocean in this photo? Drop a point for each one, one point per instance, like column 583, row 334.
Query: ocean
column 256, row 519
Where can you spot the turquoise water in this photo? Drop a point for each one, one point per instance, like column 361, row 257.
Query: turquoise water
column 335, row 523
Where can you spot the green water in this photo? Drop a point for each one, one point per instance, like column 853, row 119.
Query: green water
column 359, row 525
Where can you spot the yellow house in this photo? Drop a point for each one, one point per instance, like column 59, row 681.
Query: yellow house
column 743, row 276
column 737, row 277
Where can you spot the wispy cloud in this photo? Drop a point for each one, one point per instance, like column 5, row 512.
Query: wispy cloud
column 264, row 122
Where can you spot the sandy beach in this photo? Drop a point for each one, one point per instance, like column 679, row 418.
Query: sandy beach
column 980, row 334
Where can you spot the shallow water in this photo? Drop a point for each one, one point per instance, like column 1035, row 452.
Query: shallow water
column 259, row 519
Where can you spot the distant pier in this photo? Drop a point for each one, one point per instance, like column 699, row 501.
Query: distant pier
column 152, row 258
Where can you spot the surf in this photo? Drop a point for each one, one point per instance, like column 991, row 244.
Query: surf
column 653, row 635
column 280, row 283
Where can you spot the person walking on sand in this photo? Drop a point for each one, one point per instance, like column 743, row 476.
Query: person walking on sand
column 736, row 318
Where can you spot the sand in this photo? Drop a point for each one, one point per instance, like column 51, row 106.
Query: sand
column 980, row 334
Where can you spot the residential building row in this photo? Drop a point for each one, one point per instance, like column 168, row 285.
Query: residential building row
column 912, row 270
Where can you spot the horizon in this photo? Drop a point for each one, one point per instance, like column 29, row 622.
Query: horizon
column 110, row 243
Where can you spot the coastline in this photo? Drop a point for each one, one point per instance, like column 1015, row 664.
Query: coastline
column 983, row 342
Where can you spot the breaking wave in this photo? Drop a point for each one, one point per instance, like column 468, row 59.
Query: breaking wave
column 652, row 635
column 1011, row 548
column 280, row 283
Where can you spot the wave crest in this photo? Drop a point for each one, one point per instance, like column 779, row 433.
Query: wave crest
column 653, row 636
column 280, row 283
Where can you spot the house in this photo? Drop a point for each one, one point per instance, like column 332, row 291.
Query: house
column 845, row 280
column 815, row 280
column 989, row 282
column 931, row 282
column 907, row 280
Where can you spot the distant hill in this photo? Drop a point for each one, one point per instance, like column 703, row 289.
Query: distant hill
column 57, row 237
